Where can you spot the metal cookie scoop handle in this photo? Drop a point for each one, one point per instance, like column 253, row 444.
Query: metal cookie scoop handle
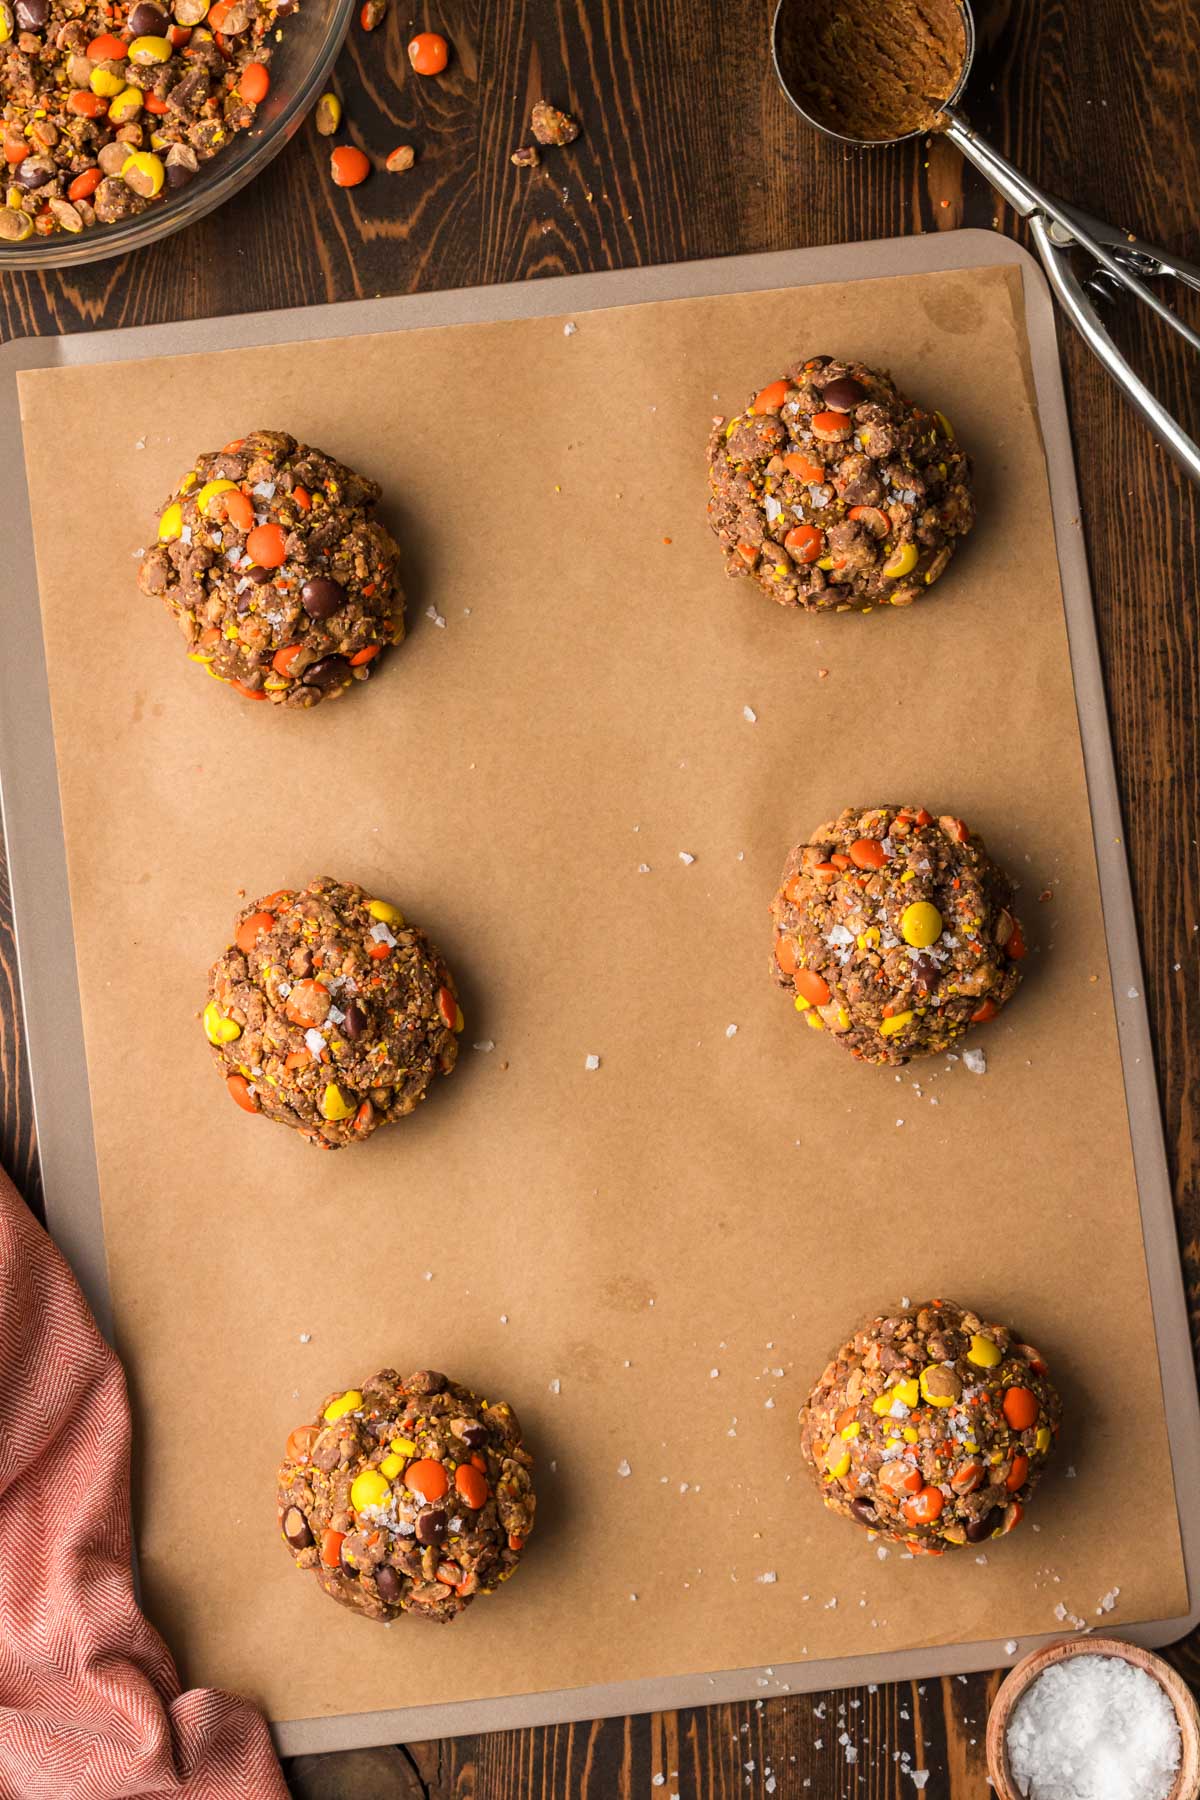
column 1123, row 262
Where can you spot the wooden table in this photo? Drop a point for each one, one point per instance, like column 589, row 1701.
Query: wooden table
column 689, row 150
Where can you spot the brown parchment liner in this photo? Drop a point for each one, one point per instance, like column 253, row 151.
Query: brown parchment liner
column 701, row 1201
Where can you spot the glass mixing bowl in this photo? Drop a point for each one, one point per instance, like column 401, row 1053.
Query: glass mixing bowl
column 309, row 43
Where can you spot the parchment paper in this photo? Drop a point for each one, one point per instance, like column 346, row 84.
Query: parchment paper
column 651, row 1260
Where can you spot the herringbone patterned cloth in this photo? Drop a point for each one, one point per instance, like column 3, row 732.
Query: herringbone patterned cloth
column 90, row 1707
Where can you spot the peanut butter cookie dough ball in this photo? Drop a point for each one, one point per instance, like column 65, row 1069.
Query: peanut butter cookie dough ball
column 276, row 570
column 835, row 492
column 895, row 932
column 329, row 1013
column 408, row 1496
column 931, row 1427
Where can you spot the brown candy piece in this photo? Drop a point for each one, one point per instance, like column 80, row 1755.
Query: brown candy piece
column 431, row 1525
column 321, row 597
column 329, row 672
column 844, row 393
column 355, row 1022
column 295, row 1529
column 978, row 1529
column 388, row 1584
column 864, row 1512
column 473, row 1434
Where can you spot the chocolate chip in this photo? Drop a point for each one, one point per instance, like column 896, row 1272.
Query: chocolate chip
column 924, row 973
column 329, row 672
column 32, row 14
column 295, row 1529
column 322, row 597
column 388, row 1584
column 844, row 393
column 260, row 576
column 355, row 1022
column 147, row 21
column 863, row 1511
column 33, row 173
column 431, row 1525
column 474, row 1435
column 978, row 1529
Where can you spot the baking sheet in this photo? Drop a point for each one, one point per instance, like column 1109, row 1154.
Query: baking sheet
column 596, row 660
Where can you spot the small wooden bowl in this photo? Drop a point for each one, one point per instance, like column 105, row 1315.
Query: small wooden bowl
column 1187, row 1782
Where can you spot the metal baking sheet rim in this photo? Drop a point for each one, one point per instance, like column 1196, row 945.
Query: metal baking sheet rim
column 54, row 1026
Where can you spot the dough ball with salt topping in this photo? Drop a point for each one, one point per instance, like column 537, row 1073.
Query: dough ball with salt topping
column 330, row 1013
column 931, row 1427
column 835, row 492
column 895, row 932
column 279, row 576
column 407, row 1496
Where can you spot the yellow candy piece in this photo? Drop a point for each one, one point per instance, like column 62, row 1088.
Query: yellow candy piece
column 126, row 107
column 209, row 492
column 802, row 1005
column 911, row 1435
column 385, row 912
column 188, row 483
column 824, row 562
column 217, row 1027
column 837, row 1461
column 107, row 84
column 931, row 1395
column 170, row 526
column 6, row 24
column 144, row 173
column 850, row 1432
column 391, row 1466
column 1043, row 1439
column 920, row 924
column 150, row 50
column 459, row 1021
column 897, row 1022
column 404, row 1447
column 334, row 1104
column 350, row 1401
column 817, row 1024
column 944, row 425
column 902, row 561
column 199, row 656
column 907, row 1392
column 369, row 1489
column 868, row 939
column 983, row 1352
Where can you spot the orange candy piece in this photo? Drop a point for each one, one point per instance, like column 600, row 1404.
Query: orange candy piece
column 841, row 862
column 348, row 166
column 283, row 659
column 239, row 1093
column 255, row 82
column 87, row 104
column 303, row 498
column 296, row 1007
column 378, row 952
column 901, row 1477
column 238, row 508
column 251, row 929
column 267, row 546
column 925, row 1507
column 830, row 421
column 804, row 542
column 785, row 953
column 1016, row 946
column 299, row 1443
column 771, row 397
column 447, row 1006
column 967, row 1477
column 366, row 655
column 867, row 853
column 1020, row 1407
column 85, row 184
column 107, row 48
column 987, row 1009
column 1018, row 1472
column 427, row 1478
column 428, row 53
column 331, row 1545
column 811, row 987
column 804, row 467
column 471, row 1487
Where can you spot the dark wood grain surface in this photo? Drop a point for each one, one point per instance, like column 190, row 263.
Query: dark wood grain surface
column 689, row 150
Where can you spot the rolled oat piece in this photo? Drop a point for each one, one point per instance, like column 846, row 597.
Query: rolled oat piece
column 895, row 932
column 835, row 492
column 407, row 1496
column 278, row 574
column 931, row 1427
column 329, row 1013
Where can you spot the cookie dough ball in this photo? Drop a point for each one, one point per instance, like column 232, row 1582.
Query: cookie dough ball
column 931, row 1427
column 896, row 932
column 276, row 570
column 329, row 1013
column 835, row 492
column 407, row 1496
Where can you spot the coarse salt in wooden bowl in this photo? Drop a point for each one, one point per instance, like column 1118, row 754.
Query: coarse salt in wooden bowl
column 1187, row 1782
